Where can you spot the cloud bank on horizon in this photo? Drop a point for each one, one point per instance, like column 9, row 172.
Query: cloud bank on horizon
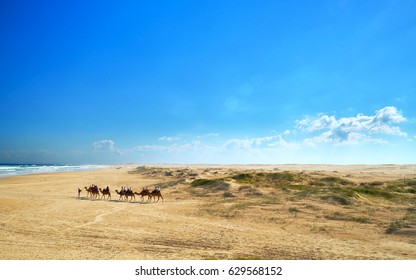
column 312, row 133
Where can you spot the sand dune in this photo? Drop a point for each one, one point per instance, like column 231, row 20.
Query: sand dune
column 227, row 216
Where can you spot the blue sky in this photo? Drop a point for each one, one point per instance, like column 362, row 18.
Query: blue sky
column 208, row 82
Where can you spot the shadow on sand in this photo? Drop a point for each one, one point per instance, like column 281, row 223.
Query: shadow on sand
column 115, row 200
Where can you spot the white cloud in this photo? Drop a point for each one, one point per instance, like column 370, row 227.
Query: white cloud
column 284, row 144
column 325, row 129
column 169, row 139
column 317, row 124
column 208, row 135
column 389, row 115
column 149, row 148
column 248, row 143
column 256, row 144
column 172, row 148
column 107, row 145
column 353, row 130
column 267, row 142
column 290, row 144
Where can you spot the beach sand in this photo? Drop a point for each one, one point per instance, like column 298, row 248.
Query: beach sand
column 41, row 216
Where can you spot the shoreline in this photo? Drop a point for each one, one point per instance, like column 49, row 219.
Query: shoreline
column 11, row 170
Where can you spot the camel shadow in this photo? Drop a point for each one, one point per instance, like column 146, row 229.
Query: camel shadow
column 124, row 201
column 115, row 200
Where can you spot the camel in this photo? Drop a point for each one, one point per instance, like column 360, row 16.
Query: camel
column 131, row 194
column 92, row 191
column 126, row 194
column 154, row 193
column 144, row 192
column 95, row 192
column 88, row 191
column 105, row 192
column 120, row 193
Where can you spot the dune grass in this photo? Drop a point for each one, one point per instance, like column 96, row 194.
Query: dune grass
column 297, row 195
column 237, row 194
column 212, row 185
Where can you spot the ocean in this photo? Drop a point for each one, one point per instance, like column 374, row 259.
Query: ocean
column 7, row 170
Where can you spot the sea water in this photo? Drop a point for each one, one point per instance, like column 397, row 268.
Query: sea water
column 7, row 170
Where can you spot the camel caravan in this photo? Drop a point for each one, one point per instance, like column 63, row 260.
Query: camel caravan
column 126, row 193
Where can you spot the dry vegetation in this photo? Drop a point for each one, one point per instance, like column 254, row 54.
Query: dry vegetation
column 215, row 213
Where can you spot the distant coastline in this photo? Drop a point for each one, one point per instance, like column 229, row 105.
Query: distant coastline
column 8, row 170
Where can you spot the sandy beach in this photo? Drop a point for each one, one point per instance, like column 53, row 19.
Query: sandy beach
column 213, row 212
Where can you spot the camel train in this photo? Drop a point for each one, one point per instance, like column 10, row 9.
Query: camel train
column 125, row 193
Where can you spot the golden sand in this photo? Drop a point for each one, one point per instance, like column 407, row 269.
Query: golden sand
column 41, row 216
